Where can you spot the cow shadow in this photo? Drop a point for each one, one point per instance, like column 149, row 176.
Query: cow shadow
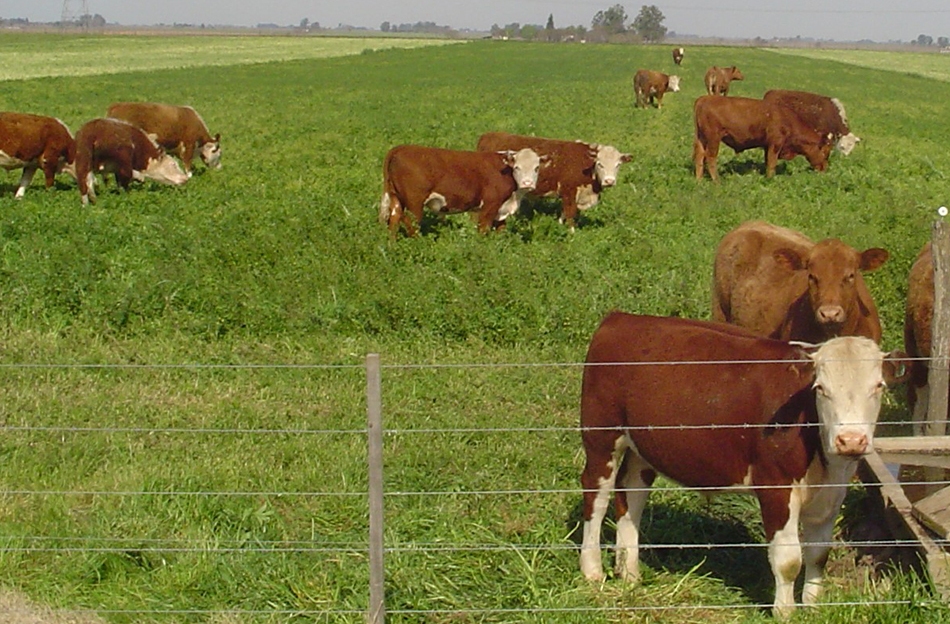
column 684, row 541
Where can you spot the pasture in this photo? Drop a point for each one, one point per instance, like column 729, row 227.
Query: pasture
column 183, row 398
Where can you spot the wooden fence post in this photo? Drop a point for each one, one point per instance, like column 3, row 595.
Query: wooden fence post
column 940, row 327
column 374, row 415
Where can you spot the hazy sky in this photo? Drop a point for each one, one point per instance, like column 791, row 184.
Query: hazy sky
column 845, row 20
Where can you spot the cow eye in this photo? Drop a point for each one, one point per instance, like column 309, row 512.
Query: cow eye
column 850, row 278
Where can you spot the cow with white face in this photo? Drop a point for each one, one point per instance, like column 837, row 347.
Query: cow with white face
column 117, row 147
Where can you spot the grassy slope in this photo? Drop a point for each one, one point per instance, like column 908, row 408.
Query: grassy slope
column 278, row 259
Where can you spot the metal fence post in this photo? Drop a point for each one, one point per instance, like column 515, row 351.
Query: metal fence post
column 374, row 413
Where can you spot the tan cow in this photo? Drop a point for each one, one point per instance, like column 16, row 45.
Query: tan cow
column 717, row 79
column 777, row 283
column 32, row 142
column 649, row 87
column 178, row 129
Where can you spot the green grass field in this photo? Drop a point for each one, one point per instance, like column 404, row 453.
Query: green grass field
column 183, row 398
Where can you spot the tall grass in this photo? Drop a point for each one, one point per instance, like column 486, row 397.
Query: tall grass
column 234, row 474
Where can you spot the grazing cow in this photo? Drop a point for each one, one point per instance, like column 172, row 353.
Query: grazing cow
column 823, row 114
column 574, row 171
column 651, row 85
column 777, row 283
column 746, row 123
column 678, row 55
column 717, row 79
column 32, row 142
column 918, row 334
column 449, row 181
column 178, row 129
column 789, row 422
column 111, row 145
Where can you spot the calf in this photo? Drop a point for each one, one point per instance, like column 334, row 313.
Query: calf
column 32, row 142
column 651, row 85
column 574, row 171
column 746, row 123
column 678, row 55
column 110, row 145
column 776, row 282
column 178, row 129
column 717, row 79
column 789, row 422
column 823, row 114
column 448, row 181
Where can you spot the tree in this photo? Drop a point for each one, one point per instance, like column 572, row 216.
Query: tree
column 385, row 26
column 925, row 40
column 550, row 25
column 649, row 24
column 943, row 42
column 613, row 21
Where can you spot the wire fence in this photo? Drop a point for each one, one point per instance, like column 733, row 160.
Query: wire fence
column 41, row 415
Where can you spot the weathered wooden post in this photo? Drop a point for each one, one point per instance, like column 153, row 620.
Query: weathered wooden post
column 939, row 376
column 374, row 430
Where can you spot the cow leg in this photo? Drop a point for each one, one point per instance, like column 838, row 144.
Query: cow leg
column 817, row 540
column 597, row 480
column 569, row 206
column 771, row 160
column 187, row 153
column 25, row 180
column 633, row 482
column 785, row 550
column 87, row 188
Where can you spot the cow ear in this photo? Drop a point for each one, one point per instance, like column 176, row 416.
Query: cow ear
column 788, row 258
column 217, row 138
column 873, row 258
column 897, row 367
column 626, row 157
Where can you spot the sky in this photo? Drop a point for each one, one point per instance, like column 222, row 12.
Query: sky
column 841, row 20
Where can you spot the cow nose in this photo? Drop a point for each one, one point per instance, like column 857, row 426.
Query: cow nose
column 830, row 315
column 610, row 181
column 851, row 444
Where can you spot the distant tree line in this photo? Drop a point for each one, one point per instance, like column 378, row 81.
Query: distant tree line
column 418, row 27
column 611, row 24
column 927, row 40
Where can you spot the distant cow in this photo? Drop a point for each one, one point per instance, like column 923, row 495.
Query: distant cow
column 678, row 55
column 450, row 181
column 111, row 145
column 574, row 171
column 32, row 142
column 823, row 114
column 653, row 401
column 717, row 79
column 746, row 123
column 650, row 86
column 777, row 283
column 178, row 129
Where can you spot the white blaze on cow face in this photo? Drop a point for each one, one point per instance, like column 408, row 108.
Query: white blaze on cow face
column 165, row 170
column 846, row 143
column 525, row 165
column 607, row 164
column 849, row 382
column 674, row 83
column 211, row 154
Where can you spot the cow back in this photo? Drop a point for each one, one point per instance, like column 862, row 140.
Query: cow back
column 26, row 137
column 568, row 163
column 819, row 112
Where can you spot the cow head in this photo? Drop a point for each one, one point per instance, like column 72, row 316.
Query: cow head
column 674, row 84
column 607, row 161
column 525, row 165
column 164, row 169
column 846, row 143
column 835, row 284
column 211, row 153
column 850, row 376
column 735, row 73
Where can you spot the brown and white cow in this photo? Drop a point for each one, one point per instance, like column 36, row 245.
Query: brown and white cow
column 178, row 129
column 574, row 171
column 746, row 123
column 777, row 283
column 789, row 422
column 117, row 147
column 825, row 115
column 32, row 142
column 450, row 181
column 678, row 55
column 649, row 86
column 717, row 79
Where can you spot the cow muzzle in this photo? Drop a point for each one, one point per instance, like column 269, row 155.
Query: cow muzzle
column 830, row 315
column 851, row 444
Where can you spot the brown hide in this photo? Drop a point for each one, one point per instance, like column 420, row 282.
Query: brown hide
column 634, row 397
column 649, row 86
column 41, row 142
column 717, row 79
column 178, row 129
column 112, row 145
column 678, row 56
column 776, row 282
column 817, row 111
column 746, row 123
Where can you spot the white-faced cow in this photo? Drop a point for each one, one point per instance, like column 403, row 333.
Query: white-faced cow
column 178, row 129
column 717, row 79
column 678, row 55
column 776, row 282
column 746, row 123
column 450, row 181
column 714, row 407
column 823, row 114
column 117, row 147
column 32, row 142
column 649, row 87
column 574, row 171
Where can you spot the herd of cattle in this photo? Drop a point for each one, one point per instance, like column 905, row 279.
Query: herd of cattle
column 130, row 142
